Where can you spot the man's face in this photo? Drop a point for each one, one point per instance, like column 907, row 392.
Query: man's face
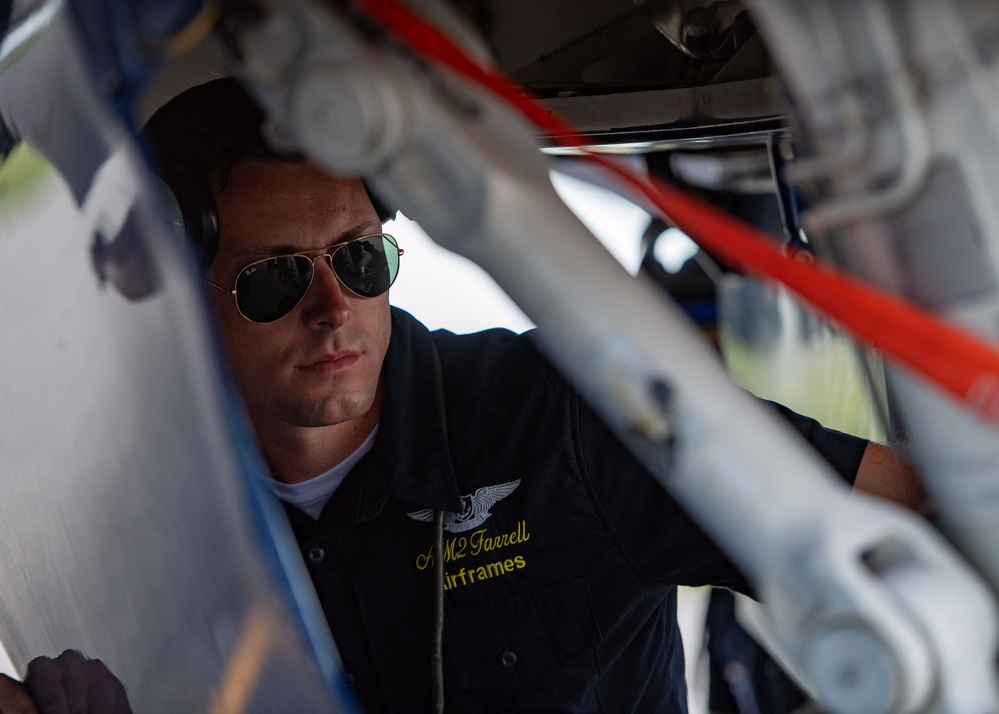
column 320, row 364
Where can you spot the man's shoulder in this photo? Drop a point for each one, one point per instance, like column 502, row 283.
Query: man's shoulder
column 496, row 340
column 496, row 360
column 496, row 357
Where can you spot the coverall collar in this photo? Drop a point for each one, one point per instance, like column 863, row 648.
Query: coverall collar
column 414, row 455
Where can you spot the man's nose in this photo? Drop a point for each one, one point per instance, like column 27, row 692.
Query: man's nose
column 326, row 299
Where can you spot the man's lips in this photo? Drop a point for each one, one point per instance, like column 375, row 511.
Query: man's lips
column 331, row 363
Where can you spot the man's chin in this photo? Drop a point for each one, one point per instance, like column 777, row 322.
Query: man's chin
column 313, row 408
column 340, row 411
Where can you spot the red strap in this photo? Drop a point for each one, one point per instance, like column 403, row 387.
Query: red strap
column 959, row 362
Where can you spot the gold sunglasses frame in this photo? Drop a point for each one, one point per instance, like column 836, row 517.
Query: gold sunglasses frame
column 327, row 252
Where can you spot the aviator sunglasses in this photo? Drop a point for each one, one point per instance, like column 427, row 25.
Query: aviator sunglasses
column 267, row 290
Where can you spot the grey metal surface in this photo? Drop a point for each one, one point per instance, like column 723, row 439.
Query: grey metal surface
column 615, row 68
column 699, row 110
column 910, row 204
column 124, row 518
column 128, row 528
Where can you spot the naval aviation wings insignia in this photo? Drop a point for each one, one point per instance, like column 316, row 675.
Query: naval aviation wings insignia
column 475, row 509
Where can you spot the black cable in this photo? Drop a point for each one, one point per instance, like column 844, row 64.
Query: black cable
column 437, row 653
column 437, row 656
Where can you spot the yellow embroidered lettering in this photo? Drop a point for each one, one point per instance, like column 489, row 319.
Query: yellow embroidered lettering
column 476, row 541
column 470, row 576
column 454, row 549
column 479, row 542
column 425, row 560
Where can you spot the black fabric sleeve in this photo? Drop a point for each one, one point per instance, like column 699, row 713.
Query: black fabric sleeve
column 656, row 536
column 842, row 451
column 661, row 541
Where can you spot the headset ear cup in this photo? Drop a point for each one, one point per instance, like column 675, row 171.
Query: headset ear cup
column 193, row 208
column 172, row 207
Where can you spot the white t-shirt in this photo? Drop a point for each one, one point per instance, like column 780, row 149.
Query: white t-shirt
column 312, row 495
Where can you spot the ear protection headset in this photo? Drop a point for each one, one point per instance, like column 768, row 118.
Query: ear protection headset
column 193, row 212
column 196, row 217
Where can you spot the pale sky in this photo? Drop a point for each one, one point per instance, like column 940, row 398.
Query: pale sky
column 472, row 301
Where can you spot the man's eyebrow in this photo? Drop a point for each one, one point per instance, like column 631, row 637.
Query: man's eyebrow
column 364, row 228
column 264, row 252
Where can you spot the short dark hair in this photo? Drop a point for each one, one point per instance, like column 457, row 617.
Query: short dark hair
column 198, row 138
column 210, row 128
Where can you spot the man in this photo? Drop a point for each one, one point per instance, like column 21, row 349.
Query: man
column 561, row 555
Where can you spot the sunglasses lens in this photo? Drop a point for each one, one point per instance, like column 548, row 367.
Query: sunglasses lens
column 368, row 266
column 270, row 289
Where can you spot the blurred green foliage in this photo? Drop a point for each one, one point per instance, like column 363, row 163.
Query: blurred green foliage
column 824, row 378
column 20, row 173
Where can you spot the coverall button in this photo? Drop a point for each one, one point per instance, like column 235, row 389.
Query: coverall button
column 508, row 660
column 317, row 555
column 348, row 678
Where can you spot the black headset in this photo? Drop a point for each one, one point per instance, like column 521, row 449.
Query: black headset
column 192, row 211
column 196, row 218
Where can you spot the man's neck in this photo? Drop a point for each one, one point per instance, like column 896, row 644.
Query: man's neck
column 296, row 453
